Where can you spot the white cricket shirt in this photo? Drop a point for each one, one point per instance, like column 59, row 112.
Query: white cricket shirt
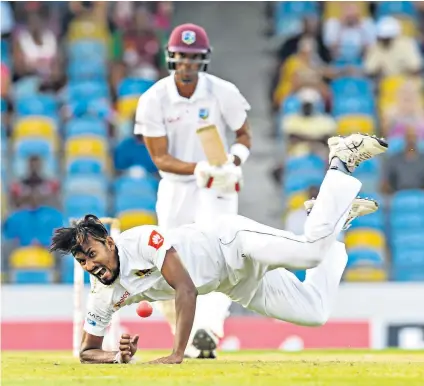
column 162, row 111
column 211, row 253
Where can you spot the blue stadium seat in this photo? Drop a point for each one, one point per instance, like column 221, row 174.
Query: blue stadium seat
column 401, row 239
column 362, row 256
column 142, row 201
column 407, row 221
column 31, row 276
column 3, row 105
column 87, row 90
column 289, row 14
column 374, row 221
column 5, row 52
column 408, row 201
column 408, row 256
column 78, row 205
column 38, row 105
column 397, row 145
column 305, row 164
column 128, row 185
column 295, row 183
column 408, row 273
column 352, row 87
column 86, row 183
column 27, row 147
column 93, row 69
column 394, row 8
column 28, row 226
column 296, row 9
column 353, row 105
column 369, row 173
column 67, row 270
column 99, row 108
column 87, row 49
column 84, row 166
column 133, row 87
column 87, row 125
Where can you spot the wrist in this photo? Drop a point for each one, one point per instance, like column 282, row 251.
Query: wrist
column 240, row 151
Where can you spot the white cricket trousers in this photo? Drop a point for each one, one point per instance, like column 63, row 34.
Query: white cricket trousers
column 280, row 294
column 183, row 202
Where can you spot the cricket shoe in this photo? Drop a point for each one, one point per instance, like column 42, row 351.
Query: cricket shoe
column 206, row 342
column 355, row 148
column 360, row 207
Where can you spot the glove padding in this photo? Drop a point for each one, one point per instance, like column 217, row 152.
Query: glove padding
column 225, row 179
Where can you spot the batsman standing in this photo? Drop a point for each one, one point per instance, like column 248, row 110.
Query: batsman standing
column 191, row 190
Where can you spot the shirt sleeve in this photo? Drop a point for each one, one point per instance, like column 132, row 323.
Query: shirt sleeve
column 149, row 120
column 153, row 245
column 99, row 312
column 234, row 107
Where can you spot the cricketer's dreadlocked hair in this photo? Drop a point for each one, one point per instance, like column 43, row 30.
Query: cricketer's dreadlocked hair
column 69, row 240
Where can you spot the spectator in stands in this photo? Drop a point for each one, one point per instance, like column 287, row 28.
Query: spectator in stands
column 36, row 53
column 408, row 111
column 87, row 19
column 133, row 152
column 350, row 36
column 136, row 49
column 34, row 182
column 309, row 125
column 303, row 69
column 392, row 54
column 405, row 170
column 34, row 223
column 290, row 47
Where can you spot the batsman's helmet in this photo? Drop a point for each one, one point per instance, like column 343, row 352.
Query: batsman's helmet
column 188, row 39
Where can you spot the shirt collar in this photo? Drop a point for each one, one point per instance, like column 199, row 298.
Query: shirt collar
column 199, row 93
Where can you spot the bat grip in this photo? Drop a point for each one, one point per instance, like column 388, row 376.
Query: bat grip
column 210, row 181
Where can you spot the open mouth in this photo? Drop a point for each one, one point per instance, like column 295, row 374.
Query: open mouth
column 99, row 272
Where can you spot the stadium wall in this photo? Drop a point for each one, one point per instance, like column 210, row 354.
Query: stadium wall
column 365, row 316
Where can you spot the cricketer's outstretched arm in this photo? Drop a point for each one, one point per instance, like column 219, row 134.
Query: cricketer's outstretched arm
column 178, row 278
column 91, row 350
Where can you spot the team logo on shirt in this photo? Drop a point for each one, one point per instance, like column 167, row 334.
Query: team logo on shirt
column 155, row 240
column 91, row 322
column 188, row 37
column 203, row 114
column 122, row 300
column 144, row 272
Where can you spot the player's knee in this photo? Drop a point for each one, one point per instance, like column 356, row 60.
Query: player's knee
column 318, row 317
column 313, row 257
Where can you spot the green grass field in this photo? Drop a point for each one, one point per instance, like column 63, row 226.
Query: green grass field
column 311, row 368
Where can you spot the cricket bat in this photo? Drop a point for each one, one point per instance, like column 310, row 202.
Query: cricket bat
column 214, row 149
column 212, row 145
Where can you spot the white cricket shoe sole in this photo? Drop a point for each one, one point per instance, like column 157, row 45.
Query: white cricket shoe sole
column 360, row 207
column 355, row 148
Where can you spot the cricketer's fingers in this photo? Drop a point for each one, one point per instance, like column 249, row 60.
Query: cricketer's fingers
column 134, row 340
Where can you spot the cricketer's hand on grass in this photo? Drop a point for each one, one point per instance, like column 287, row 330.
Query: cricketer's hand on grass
column 128, row 347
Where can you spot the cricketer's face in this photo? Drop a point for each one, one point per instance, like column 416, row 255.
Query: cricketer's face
column 99, row 260
column 187, row 67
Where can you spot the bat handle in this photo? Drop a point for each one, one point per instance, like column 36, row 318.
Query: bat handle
column 210, row 181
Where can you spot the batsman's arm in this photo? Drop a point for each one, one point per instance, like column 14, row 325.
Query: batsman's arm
column 158, row 150
column 178, row 278
column 244, row 142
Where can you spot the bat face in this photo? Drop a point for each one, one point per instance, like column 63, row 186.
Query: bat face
column 212, row 145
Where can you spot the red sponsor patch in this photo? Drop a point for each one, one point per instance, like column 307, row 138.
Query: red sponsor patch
column 155, row 240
